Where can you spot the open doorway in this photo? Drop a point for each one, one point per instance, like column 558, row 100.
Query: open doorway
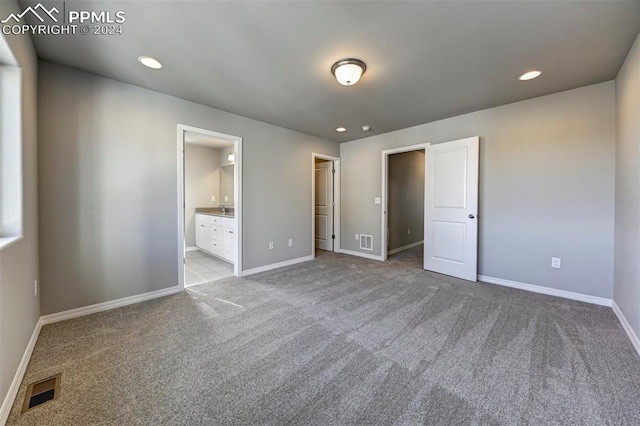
column 403, row 174
column 450, row 239
column 325, row 182
column 405, row 203
column 209, row 205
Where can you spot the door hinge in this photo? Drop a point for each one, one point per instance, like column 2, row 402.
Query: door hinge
column 333, row 170
column 333, row 237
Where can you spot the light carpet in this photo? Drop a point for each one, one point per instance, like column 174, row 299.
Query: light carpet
column 340, row 341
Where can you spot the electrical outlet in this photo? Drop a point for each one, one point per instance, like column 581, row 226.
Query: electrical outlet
column 556, row 262
column 409, row 231
column 35, row 288
column 271, row 246
column 377, row 200
column 357, row 237
column 290, row 242
column 226, row 198
column 213, row 198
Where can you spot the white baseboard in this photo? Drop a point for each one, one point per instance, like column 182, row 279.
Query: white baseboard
column 105, row 306
column 192, row 248
column 407, row 247
column 547, row 290
column 265, row 268
column 627, row 327
column 10, row 397
column 360, row 254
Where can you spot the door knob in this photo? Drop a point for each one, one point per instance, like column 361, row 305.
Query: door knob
column 471, row 216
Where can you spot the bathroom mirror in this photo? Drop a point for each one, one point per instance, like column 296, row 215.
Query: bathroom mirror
column 226, row 185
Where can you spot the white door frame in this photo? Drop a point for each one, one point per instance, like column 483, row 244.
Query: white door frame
column 237, row 195
column 336, row 199
column 385, row 184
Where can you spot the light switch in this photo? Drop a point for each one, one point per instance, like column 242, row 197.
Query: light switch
column 213, row 198
column 377, row 200
column 226, row 198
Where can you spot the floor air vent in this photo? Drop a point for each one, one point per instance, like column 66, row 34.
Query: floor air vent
column 40, row 392
column 366, row 242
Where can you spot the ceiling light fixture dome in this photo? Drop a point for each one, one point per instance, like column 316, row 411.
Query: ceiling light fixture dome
column 348, row 71
column 530, row 75
column 341, row 129
column 150, row 62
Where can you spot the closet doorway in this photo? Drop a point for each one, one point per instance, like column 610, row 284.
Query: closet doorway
column 325, row 200
column 403, row 201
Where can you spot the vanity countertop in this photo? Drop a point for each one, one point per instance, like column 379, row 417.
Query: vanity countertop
column 215, row 211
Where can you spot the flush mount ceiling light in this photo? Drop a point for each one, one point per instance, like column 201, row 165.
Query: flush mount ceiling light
column 530, row 75
column 366, row 128
column 348, row 71
column 150, row 62
column 231, row 157
column 341, row 129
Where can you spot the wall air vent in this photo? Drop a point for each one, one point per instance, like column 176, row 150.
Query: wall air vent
column 366, row 242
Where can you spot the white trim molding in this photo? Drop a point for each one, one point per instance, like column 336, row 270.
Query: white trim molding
column 105, row 306
column 407, row 247
column 12, row 393
column 626, row 326
column 272, row 266
column 365, row 255
column 191, row 248
column 587, row 298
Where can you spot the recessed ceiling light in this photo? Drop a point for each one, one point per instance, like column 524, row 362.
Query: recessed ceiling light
column 150, row 62
column 341, row 129
column 530, row 75
column 366, row 128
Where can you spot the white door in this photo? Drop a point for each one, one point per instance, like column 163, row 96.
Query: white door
column 324, row 206
column 451, row 208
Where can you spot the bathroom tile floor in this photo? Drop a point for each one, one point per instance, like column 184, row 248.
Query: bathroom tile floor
column 201, row 268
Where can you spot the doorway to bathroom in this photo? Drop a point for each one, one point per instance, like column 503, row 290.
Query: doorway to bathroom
column 209, row 205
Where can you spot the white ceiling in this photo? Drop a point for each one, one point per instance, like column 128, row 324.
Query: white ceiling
column 426, row 60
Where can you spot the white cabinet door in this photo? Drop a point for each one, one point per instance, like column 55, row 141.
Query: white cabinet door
column 451, row 208
column 203, row 232
column 229, row 245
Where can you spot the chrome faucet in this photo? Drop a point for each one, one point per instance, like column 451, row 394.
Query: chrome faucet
column 223, row 208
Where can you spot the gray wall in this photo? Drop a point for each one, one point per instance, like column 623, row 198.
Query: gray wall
column 626, row 292
column 405, row 198
column 201, row 181
column 546, row 187
column 19, row 308
column 108, row 187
